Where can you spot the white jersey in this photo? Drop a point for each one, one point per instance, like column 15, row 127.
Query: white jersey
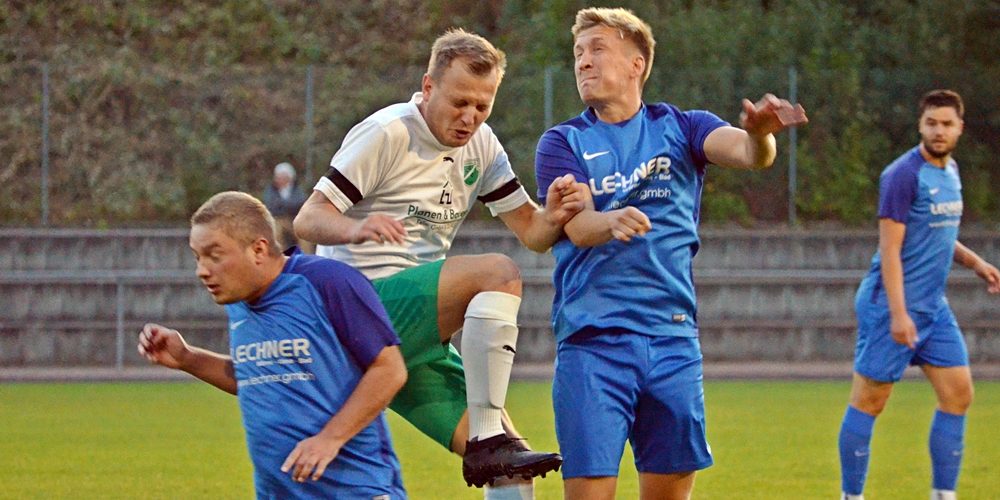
column 391, row 163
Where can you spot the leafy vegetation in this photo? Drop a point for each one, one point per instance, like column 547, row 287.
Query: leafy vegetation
column 156, row 105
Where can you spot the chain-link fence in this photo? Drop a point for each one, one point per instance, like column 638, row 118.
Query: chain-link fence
column 107, row 144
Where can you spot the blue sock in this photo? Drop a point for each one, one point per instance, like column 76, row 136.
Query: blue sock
column 855, row 437
column 947, row 432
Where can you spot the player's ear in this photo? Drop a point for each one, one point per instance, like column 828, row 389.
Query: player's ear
column 261, row 249
column 426, row 85
column 638, row 66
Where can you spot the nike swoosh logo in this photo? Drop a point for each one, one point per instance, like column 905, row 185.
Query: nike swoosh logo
column 509, row 348
column 589, row 156
column 236, row 324
column 934, row 191
column 860, row 454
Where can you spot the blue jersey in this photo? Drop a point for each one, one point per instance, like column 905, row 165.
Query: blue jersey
column 928, row 199
column 654, row 161
column 298, row 353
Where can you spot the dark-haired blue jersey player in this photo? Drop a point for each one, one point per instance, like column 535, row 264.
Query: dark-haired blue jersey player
column 903, row 315
column 628, row 363
column 313, row 358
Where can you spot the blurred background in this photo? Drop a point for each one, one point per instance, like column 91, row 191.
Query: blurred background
column 120, row 118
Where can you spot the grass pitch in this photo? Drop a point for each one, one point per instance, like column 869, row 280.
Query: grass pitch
column 185, row 440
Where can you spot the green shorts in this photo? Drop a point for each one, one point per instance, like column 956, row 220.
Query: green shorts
column 433, row 399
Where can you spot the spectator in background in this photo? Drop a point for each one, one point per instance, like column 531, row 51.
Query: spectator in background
column 283, row 198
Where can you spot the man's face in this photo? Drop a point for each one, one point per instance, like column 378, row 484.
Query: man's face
column 605, row 64
column 281, row 180
column 229, row 270
column 457, row 103
column 940, row 129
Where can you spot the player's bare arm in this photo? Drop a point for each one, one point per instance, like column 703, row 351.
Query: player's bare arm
column 890, row 244
column 164, row 346
column 591, row 228
column 752, row 146
column 539, row 228
column 970, row 260
column 381, row 381
column 321, row 222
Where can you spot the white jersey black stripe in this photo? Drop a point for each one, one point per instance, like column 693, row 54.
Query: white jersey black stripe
column 391, row 163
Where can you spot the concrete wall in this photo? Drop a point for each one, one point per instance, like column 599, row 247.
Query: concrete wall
column 764, row 295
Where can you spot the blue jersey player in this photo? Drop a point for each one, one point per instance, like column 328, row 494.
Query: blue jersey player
column 313, row 358
column 903, row 315
column 628, row 362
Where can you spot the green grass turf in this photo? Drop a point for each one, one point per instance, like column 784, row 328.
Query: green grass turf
column 184, row 440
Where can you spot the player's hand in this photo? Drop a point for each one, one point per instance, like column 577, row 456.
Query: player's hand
column 989, row 274
column 771, row 114
column 904, row 331
column 310, row 457
column 162, row 346
column 380, row 228
column 564, row 199
column 627, row 223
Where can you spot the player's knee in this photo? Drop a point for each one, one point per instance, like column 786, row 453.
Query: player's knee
column 499, row 273
column 958, row 400
column 871, row 404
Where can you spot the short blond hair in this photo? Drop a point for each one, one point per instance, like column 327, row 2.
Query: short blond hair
column 240, row 216
column 480, row 55
column 628, row 25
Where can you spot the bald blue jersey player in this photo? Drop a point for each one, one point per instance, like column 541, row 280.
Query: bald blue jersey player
column 903, row 315
column 628, row 363
column 313, row 360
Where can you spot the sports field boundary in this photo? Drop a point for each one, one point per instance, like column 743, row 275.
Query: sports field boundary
column 528, row 372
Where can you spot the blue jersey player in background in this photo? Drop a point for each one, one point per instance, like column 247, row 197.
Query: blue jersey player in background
column 628, row 362
column 903, row 315
column 313, row 358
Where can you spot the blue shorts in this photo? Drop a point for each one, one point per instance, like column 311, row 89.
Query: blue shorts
column 878, row 357
column 612, row 386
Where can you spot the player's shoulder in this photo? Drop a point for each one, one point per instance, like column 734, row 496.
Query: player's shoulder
column 907, row 164
column 576, row 124
column 659, row 110
column 393, row 122
column 392, row 113
column 323, row 271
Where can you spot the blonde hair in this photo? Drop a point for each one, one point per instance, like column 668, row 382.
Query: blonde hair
column 480, row 55
column 628, row 25
column 240, row 216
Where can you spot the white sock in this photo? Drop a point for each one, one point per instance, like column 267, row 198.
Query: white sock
column 520, row 491
column 943, row 495
column 847, row 496
column 489, row 337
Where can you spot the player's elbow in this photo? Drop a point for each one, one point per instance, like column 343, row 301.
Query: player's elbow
column 304, row 225
column 395, row 374
column 536, row 246
column 396, row 379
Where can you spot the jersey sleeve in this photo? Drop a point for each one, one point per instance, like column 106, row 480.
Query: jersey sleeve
column 553, row 159
column 354, row 169
column 896, row 192
column 501, row 191
column 358, row 318
column 697, row 124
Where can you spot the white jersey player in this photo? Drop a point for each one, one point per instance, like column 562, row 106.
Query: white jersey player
column 396, row 193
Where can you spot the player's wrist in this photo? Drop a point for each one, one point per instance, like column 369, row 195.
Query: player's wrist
column 187, row 358
column 332, row 436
